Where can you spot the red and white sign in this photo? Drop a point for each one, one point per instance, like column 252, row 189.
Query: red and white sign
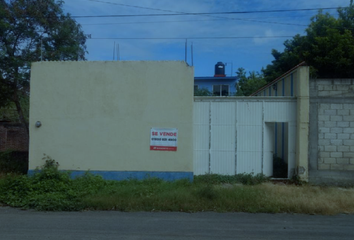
column 163, row 139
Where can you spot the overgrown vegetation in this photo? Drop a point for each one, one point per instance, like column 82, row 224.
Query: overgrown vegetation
column 53, row 190
column 13, row 162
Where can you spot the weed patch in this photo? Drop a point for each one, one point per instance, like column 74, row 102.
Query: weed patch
column 52, row 190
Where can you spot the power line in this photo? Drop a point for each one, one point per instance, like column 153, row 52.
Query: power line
column 134, row 6
column 201, row 14
column 165, row 10
column 206, row 20
column 184, row 38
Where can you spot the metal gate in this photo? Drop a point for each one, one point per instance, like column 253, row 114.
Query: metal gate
column 240, row 135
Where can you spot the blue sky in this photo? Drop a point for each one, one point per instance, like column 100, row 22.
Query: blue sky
column 250, row 53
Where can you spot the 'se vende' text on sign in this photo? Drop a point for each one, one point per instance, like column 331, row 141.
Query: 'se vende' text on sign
column 163, row 139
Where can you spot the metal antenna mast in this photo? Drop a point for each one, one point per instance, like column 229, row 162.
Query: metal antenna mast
column 114, row 51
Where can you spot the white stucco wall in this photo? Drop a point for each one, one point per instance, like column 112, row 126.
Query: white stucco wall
column 98, row 115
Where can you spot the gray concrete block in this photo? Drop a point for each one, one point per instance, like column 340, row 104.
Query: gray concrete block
column 324, row 155
column 336, row 130
column 348, row 118
column 349, row 167
column 330, row 148
column 313, row 92
column 325, row 142
column 342, row 81
column 321, row 123
column 331, row 124
column 348, row 130
column 352, row 124
column 324, row 117
column 329, row 160
column 337, row 167
column 342, row 124
column 330, row 135
column 348, row 142
column 348, row 106
column 320, row 148
column 321, row 136
column 330, row 112
column 352, row 136
column 323, row 93
column 324, row 106
column 323, row 166
column 352, row 161
column 343, row 160
column 336, row 106
column 336, row 142
column 348, row 154
column 329, row 88
column 324, row 81
column 320, row 87
column 343, row 136
column 336, row 154
column 335, row 93
column 352, row 148
column 342, row 87
column 351, row 112
column 343, row 112
column 343, row 148
column 326, row 130
column 339, row 118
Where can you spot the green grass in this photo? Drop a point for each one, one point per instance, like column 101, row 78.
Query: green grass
column 51, row 190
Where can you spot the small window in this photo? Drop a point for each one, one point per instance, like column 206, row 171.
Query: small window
column 221, row 90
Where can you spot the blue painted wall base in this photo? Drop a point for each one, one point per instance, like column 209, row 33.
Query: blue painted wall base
column 124, row 175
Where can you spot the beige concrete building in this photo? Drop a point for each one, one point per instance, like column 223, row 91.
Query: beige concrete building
column 100, row 116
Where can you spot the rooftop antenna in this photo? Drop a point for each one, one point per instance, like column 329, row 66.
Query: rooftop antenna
column 192, row 54
column 114, row 51
column 185, row 51
column 118, row 52
column 41, row 49
column 232, row 67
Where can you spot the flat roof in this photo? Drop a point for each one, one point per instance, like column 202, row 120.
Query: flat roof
column 215, row 78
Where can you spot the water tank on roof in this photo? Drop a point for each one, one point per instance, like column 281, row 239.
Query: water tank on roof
column 220, row 70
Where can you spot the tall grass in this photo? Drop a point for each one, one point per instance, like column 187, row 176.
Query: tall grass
column 310, row 199
column 52, row 190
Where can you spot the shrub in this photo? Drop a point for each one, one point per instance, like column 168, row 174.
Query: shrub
column 244, row 178
column 13, row 162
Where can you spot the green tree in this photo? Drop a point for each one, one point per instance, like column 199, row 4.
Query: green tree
column 202, row 92
column 33, row 30
column 248, row 84
column 327, row 47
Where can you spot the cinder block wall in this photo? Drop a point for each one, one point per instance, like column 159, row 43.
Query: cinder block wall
column 331, row 151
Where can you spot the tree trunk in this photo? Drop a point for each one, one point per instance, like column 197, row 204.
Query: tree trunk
column 20, row 114
column 19, row 111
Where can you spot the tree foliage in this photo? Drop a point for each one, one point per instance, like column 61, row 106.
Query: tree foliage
column 202, row 92
column 248, row 84
column 327, row 47
column 33, row 30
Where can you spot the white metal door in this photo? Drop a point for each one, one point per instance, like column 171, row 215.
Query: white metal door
column 231, row 135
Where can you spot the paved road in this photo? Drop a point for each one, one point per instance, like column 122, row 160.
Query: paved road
column 31, row 225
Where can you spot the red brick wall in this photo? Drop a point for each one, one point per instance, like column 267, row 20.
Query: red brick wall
column 13, row 137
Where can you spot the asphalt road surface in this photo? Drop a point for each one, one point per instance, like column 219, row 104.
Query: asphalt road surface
column 32, row 225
